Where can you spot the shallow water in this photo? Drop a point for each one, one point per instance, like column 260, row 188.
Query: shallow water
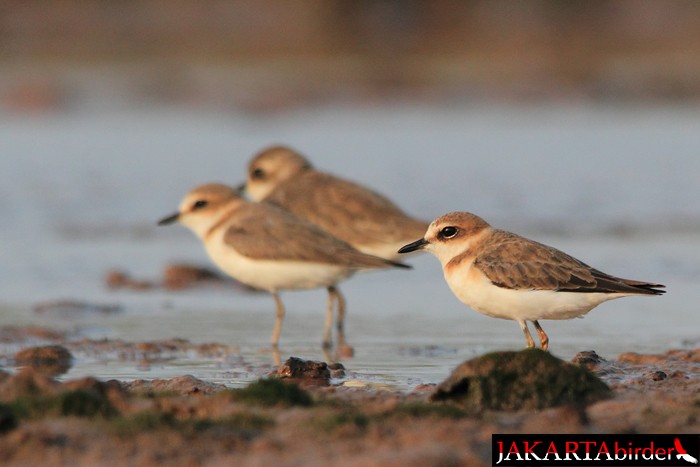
column 616, row 187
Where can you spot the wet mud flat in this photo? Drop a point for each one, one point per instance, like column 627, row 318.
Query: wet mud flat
column 302, row 412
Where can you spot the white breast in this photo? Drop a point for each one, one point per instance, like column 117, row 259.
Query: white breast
column 476, row 291
column 271, row 274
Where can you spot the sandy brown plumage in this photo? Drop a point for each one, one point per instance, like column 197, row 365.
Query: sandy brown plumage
column 345, row 209
column 503, row 275
column 515, row 262
column 268, row 248
column 357, row 215
column 262, row 231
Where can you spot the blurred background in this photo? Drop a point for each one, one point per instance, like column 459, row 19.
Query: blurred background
column 272, row 56
column 577, row 123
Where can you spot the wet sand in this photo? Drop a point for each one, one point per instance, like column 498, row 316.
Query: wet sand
column 186, row 421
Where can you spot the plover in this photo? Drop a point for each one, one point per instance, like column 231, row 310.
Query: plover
column 504, row 275
column 361, row 217
column 268, row 248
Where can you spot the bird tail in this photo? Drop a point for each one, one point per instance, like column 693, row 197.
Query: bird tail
column 646, row 287
column 400, row 265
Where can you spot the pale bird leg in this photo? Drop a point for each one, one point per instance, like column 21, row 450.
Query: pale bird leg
column 340, row 324
column 276, row 355
column 327, row 341
column 544, row 340
column 280, row 318
column 528, row 338
column 328, row 356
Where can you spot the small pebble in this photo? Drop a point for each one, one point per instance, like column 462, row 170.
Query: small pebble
column 656, row 375
column 588, row 359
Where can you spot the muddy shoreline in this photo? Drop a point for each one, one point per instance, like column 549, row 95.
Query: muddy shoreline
column 312, row 421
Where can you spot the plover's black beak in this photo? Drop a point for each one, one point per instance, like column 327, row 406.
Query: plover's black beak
column 169, row 219
column 417, row 245
column 240, row 189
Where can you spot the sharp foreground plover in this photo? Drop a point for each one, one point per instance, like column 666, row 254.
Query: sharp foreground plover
column 366, row 220
column 503, row 275
column 268, row 248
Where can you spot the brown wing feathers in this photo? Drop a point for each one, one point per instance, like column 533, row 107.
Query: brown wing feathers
column 514, row 262
column 263, row 231
column 361, row 213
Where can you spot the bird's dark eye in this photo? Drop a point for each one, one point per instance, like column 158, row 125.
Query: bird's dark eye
column 448, row 232
column 199, row 204
column 258, row 174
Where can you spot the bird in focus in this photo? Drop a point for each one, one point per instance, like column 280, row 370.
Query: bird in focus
column 503, row 275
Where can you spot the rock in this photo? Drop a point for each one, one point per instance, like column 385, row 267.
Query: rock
column 602, row 368
column 634, row 358
column 8, row 419
column 589, row 360
column 529, row 379
column 304, row 372
column 51, row 360
column 75, row 306
column 180, row 276
column 685, row 355
column 112, row 391
column 176, row 276
column 271, row 392
column 115, row 279
column 27, row 383
column 566, row 419
column 656, row 375
column 90, row 383
column 185, row 385
column 692, row 355
column 36, row 96
column 425, row 388
column 16, row 334
column 337, row 370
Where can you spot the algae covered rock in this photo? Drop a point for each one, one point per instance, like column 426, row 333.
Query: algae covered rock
column 270, row 392
column 304, row 372
column 529, row 379
column 51, row 360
